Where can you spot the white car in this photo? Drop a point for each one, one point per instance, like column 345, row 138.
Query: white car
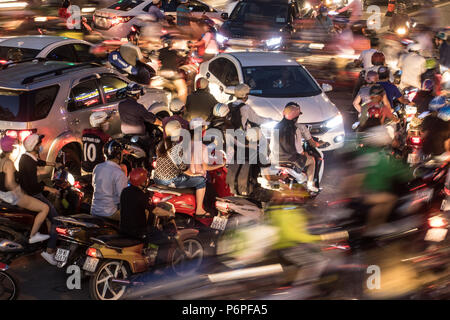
column 50, row 47
column 275, row 79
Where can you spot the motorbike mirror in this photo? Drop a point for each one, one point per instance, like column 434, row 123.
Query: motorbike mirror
column 224, row 16
column 327, row 87
column 230, row 90
column 134, row 139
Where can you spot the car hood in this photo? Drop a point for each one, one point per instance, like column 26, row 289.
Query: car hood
column 315, row 109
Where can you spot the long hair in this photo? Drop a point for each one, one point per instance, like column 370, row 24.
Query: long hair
column 164, row 146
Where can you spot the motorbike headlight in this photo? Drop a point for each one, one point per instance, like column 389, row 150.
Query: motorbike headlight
column 401, row 31
column 307, row 5
column 273, row 42
column 220, row 38
column 269, row 125
column 71, row 179
column 334, row 122
column 88, row 10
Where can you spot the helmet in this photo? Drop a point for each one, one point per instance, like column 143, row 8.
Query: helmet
column 414, row 47
column 241, row 91
column 97, row 118
column 291, row 110
column 437, row 103
column 202, row 83
column 176, row 105
column 112, row 149
column 441, row 35
column 376, row 90
column 323, row 9
column 378, row 136
column 166, row 40
column 444, row 113
column 427, row 85
column 431, row 63
column 32, row 141
column 138, row 176
column 374, row 112
column 134, row 90
column 383, row 72
column 7, row 143
column 378, row 58
column 221, row 110
column 173, row 128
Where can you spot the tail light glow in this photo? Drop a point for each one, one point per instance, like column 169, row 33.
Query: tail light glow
column 416, row 140
column 437, row 222
column 156, row 200
column 21, row 134
column 94, row 253
column 154, row 164
column 62, row 231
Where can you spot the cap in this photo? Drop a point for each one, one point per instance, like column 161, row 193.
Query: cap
column 32, row 141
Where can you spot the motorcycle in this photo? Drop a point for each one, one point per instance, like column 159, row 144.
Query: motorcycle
column 115, row 262
column 8, row 286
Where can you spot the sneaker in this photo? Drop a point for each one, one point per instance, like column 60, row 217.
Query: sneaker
column 49, row 257
column 311, row 187
column 38, row 237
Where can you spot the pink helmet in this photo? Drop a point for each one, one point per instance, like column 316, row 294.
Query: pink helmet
column 7, row 144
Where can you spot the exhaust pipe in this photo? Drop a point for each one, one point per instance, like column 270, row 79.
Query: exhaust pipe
column 10, row 246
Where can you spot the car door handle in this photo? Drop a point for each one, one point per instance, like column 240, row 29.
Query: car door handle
column 75, row 121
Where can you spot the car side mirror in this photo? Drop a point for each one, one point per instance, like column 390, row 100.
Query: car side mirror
column 230, row 90
column 327, row 87
column 224, row 16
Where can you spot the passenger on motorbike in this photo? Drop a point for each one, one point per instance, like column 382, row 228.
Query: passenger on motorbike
column 377, row 100
column 413, row 65
column 424, row 96
column 170, row 60
column 11, row 192
column 133, row 56
column 199, row 104
column 377, row 60
column 363, row 95
column 289, row 147
column 444, row 49
column 207, row 46
column 93, row 140
column 28, row 180
column 177, row 108
column 108, row 180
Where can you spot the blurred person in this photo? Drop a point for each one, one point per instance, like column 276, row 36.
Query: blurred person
column 424, row 96
column 430, row 14
column 200, row 103
column 290, row 145
column 435, row 128
column 378, row 101
column 363, row 95
column 155, row 9
column 323, row 22
column 413, row 65
column 63, row 13
column 133, row 56
column 94, row 139
column 183, row 14
column 432, row 72
column 108, row 180
column 170, row 5
column 399, row 18
column 356, row 8
column 365, row 58
column 207, row 46
column 11, row 192
column 444, row 49
column 170, row 61
column 393, row 94
column 177, row 107
column 377, row 60
column 28, row 180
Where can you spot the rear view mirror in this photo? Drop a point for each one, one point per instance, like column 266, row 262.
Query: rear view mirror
column 327, row 87
column 224, row 16
column 230, row 90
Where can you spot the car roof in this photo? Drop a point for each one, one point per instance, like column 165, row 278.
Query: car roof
column 32, row 42
column 14, row 76
column 253, row 59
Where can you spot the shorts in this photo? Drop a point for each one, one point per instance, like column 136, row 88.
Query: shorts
column 298, row 159
column 12, row 197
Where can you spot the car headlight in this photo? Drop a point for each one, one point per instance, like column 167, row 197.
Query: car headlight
column 273, row 42
column 334, row 122
column 401, row 31
column 269, row 125
column 220, row 38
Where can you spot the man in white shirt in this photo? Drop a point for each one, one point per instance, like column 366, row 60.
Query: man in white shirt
column 412, row 65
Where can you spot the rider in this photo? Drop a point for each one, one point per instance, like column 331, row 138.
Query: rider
column 363, row 95
column 170, row 60
column 435, row 128
column 177, row 108
column 356, row 7
column 377, row 60
column 155, row 9
column 377, row 100
column 424, row 96
column 108, row 180
column 183, row 14
column 133, row 56
column 413, row 65
column 28, row 179
column 94, row 139
column 207, row 46
column 444, row 49
column 323, row 21
column 290, row 145
column 391, row 90
column 199, row 103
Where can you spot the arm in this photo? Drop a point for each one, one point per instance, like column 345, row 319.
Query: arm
column 357, row 103
column 10, row 181
column 121, row 182
column 252, row 116
column 148, row 116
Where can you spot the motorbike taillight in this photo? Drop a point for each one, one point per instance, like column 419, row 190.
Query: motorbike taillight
column 416, row 140
column 437, row 222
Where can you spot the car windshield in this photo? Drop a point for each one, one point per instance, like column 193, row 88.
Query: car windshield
column 280, row 82
column 15, row 53
column 125, row 5
column 256, row 12
column 21, row 106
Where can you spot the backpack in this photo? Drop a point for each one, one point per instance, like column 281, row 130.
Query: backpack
column 236, row 114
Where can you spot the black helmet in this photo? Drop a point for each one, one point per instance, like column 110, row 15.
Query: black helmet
column 112, row 149
column 376, row 90
column 134, row 90
column 166, row 40
column 383, row 72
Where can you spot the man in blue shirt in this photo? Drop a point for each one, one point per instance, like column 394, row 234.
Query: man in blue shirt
column 392, row 92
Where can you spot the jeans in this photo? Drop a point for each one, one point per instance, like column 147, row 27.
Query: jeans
column 185, row 181
column 52, row 213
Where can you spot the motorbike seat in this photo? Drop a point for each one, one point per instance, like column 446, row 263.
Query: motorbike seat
column 119, row 241
column 179, row 190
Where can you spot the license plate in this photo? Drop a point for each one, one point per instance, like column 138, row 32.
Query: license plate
column 436, row 234
column 62, row 255
column 219, row 223
column 90, row 264
column 445, row 206
column 413, row 158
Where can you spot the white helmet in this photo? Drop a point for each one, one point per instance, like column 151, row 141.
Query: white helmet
column 97, row 118
column 176, row 105
column 241, row 91
column 414, row 47
column 173, row 128
column 32, row 141
column 378, row 136
column 221, row 110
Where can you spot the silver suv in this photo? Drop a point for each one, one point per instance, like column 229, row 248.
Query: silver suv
column 56, row 99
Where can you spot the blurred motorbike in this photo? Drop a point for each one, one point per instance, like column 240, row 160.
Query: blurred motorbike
column 8, row 286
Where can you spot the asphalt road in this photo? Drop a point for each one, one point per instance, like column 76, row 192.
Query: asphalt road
column 38, row 280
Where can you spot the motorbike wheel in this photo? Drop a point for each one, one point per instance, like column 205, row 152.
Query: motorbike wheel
column 8, row 287
column 184, row 266
column 100, row 284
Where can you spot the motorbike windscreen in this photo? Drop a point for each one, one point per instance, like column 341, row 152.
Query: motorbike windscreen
column 126, row 5
column 255, row 12
column 23, row 106
column 280, row 82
